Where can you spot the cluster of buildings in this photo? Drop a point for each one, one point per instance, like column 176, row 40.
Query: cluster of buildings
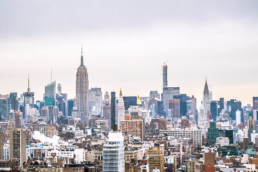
column 111, row 132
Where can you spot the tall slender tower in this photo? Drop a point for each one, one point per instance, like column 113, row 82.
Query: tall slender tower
column 82, row 88
column 206, row 98
column 165, row 75
column 120, row 109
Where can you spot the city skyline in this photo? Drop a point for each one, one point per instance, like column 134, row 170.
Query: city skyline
column 203, row 39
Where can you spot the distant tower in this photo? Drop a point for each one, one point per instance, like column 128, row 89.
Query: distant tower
column 165, row 75
column 206, row 98
column 120, row 109
column 28, row 100
column 106, row 108
column 113, row 109
column 82, row 87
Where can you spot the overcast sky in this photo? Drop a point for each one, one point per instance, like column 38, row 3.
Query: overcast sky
column 125, row 43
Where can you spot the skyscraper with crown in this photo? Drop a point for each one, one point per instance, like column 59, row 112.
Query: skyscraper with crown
column 206, row 98
column 82, row 88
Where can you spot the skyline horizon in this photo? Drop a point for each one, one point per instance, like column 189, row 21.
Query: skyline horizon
column 125, row 43
column 199, row 99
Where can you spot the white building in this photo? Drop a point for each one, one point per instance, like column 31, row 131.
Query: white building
column 142, row 112
column 238, row 117
column 113, row 153
column 202, row 121
column 120, row 109
column 192, row 133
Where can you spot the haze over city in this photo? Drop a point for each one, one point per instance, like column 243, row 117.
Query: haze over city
column 126, row 42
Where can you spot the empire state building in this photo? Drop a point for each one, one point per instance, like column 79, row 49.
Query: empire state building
column 82, row 87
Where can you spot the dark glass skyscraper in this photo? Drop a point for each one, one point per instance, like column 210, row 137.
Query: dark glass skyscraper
column 235, row 105
column 70, row 107
column 113, row 109
column 214, row 110
column 221, row 105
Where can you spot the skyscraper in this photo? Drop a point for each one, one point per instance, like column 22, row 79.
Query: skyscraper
column 95, row 101
column 169, row 93
column 18, row 145
column 113, row 109
column 28, row 100
column 165, row 75
column 82, row 88
column 50, row 102
column 113, row 153
column 50, row 94
column 255, row 103
column 206, row 99
column 106, row 108
column 120, row 109
column 214, row 110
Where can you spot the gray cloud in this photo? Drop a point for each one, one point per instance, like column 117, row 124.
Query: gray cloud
column 30, row 17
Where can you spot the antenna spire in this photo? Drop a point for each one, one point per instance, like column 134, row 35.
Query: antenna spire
column 28, row 82
column 82, row 56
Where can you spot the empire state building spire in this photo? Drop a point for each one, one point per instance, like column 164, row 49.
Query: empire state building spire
column 82, row 64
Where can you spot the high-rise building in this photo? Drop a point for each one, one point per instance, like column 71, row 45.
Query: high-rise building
column 221, row 105
column 113, row 153
column 3, row 107
column 50, row 102
column 156, row 158
column 202, row 121
column 50, row 94
column 61, row 99
column 130, row 101
column 255, row 103
column 233, row 106
column 214, row 110
column 206, row 99
column 174, row 105
column 1, row 145
column 28, row 100
column 95, row 101
column 169, row 93
column 183, row 103
column 120, row 109
column 113, row 109
column 18, row 145
column 238, row 117
column 106, row 108
column 82, row 88
column 13, row 101
column 212, row 134
column 70, row 104
column 165, row 75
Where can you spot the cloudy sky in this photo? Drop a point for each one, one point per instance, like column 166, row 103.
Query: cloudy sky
column 125, row 43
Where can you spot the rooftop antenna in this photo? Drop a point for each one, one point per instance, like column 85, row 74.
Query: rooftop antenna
column 28, row 82
column 82, row 56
